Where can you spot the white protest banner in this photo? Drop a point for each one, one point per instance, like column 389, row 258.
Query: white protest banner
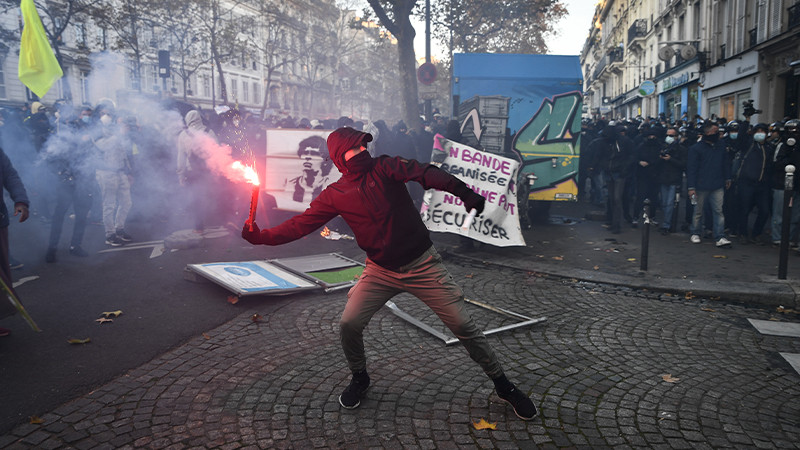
column 298, row 167
column 490, row 175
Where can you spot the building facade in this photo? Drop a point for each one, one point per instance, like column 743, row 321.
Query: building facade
column 280, row 57
column 687, row 58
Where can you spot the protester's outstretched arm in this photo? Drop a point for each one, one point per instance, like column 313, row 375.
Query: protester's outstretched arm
column 298, row 226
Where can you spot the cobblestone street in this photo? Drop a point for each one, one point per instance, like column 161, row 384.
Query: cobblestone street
column 611, row 367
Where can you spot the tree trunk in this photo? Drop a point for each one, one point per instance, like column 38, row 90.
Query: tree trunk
column 408, row 74
column 223, row 91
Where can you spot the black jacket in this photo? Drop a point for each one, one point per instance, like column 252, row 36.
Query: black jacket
column 670, row 171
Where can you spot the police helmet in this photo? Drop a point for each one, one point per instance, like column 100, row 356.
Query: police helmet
column 733, row 125
column 776, row 126
column 791, row 126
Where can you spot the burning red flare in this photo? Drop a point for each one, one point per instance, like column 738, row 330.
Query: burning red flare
column 248, row 173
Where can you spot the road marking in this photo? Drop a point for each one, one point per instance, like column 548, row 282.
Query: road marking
column 770, row 327
column 25, row 280
column 793, row 359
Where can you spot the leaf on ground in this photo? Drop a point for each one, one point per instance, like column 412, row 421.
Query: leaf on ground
column 484, row 425
column 707, row 309
column 631, row 259
column 256, row 317
column 232, row 299
column 558, row 258
column 781, row 309
column 721, row 256
column 35, row 420
column 469, row 275
column 689, row 295
column 206, row 336
column 108, row 314
column 540, row 256
column 669, row 378
column 103, row 320
column 79, row 341
column 596, row 267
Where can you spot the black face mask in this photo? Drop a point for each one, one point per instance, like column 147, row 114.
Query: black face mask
column 360, row 163
column 711, row 137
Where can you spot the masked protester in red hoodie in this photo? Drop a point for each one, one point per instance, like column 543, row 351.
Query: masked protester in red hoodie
column 372, row 198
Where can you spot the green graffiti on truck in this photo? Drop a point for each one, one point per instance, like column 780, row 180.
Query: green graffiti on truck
column 549, row 145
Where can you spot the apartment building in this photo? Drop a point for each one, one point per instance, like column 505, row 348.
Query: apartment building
column 681, row 58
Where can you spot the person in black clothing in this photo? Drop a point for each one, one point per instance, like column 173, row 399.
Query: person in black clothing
column 613, row 153
column 647, row 154
column 669, row 175
column 69, row 157
column 787, row 152
column 753, row 179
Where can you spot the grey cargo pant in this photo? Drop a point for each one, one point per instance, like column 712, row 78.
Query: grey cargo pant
column 427, row 279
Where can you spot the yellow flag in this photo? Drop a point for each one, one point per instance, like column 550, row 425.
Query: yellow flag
column 38, row 67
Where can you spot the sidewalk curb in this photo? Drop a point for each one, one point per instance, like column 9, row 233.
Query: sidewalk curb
column 770, row 292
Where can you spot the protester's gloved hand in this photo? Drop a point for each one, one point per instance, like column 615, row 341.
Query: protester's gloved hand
column 474, row 200
column 254, row 236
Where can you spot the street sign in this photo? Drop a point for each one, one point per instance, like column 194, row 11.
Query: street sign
column 426, row 73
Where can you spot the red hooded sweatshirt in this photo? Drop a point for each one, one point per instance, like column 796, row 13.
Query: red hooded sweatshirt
column 372, row 198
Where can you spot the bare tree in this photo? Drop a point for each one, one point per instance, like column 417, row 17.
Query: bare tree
column 178, row 19
column 131, row 21
column 268, row 39
column 219, row 30
column 395, row 16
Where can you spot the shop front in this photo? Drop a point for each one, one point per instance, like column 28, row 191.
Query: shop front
column 679, row 93
column 728, row 86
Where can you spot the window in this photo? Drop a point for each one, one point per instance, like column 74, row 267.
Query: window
column 2, row 82
column 234, row 89
column 80, row 34
column 727, row 108
column 256, row 93
column 713, row 108
column 245, row 91
column 84, row 86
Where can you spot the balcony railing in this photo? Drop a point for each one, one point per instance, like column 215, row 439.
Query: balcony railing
column 794, row 15
column 638, row 30
column 753, row 37
column 614, row 56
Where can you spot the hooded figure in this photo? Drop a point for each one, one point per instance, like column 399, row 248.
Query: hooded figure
column 372, row 198
column 194, row 143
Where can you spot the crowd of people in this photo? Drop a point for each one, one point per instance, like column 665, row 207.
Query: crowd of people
column 727, row 175
column 106, row 163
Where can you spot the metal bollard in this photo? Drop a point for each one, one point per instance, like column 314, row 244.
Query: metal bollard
column 788, row 191
column 645, row 234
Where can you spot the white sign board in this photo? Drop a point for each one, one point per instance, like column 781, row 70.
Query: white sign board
column 488, row 174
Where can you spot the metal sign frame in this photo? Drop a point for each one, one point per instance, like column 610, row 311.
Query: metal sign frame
column 449, row 340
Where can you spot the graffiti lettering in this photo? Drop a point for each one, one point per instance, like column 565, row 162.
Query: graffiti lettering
column 548, row 145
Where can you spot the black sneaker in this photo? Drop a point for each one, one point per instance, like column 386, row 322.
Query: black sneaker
column 523, row 406
column 50, row 256
column 352, row 395
column 76, row 250
column 113, row 240
column 122, row 235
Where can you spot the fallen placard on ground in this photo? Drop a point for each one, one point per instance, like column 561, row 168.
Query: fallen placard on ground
column 328, row 272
